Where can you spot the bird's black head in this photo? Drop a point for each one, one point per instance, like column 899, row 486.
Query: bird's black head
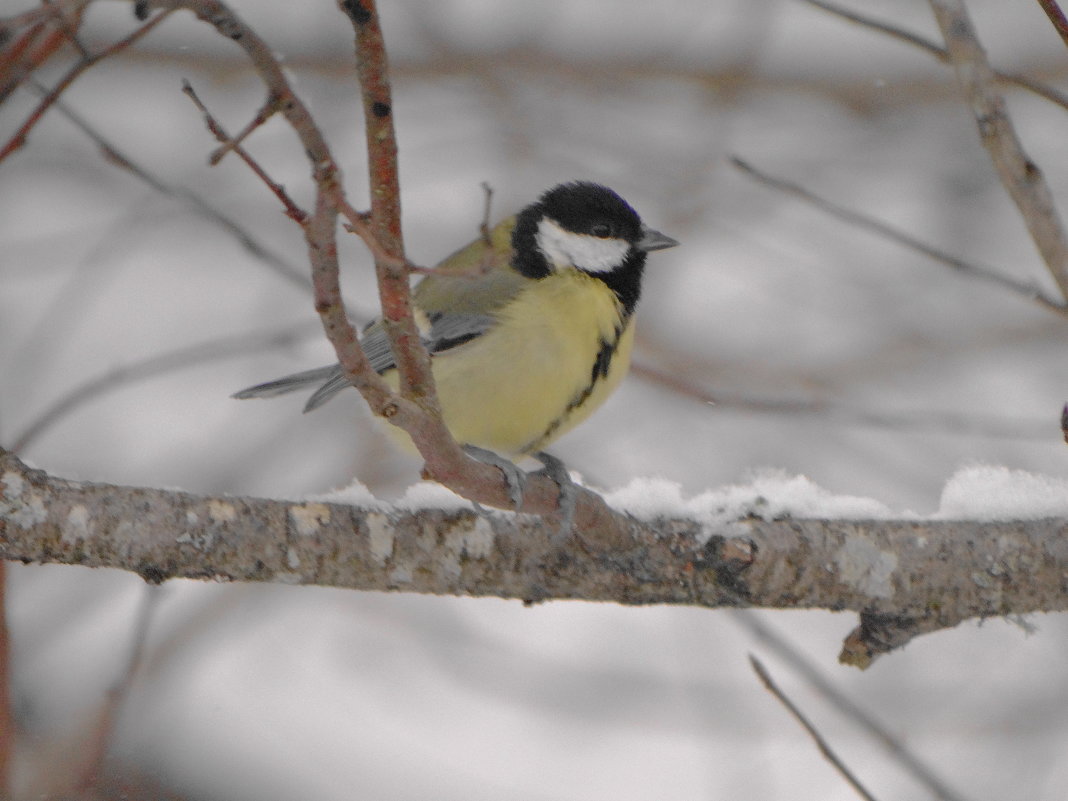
column 588, row 227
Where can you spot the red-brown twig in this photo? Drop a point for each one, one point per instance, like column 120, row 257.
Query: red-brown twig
column 293, row 211
column 320, row 224
column 445, row 461
column 359, row 223
column 19, row 138
column 1020, row 176
column 1056, row 16
column 113, row 155
column 415, row 409
column 268, row 110
column 49, row 28
column 413, row 364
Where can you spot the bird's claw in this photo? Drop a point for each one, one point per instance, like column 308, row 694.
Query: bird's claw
column 515, row 478
column 566, row 502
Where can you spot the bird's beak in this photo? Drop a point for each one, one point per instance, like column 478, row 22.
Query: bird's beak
column 654, row 240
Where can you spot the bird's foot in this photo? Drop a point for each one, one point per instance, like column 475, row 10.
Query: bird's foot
column 567, row 500
column 515, row 478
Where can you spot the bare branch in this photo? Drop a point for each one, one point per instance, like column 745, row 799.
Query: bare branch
column 813, row 732
column 846, row 706
column 160, row 364
column 293, row 211
column 484, row 226
column 49, row 27
column 120, row 159
column 19, row 138
column 855, row 218
column 445, row 461
column 320, row 226
column 7, row 712
column 1056, row 16
column 94, row 767
column 415, row 410
column 678, row 379
column 359, row 223
column 939, row 52
column 413, row 362
column 1020, row 176
column 904, row 577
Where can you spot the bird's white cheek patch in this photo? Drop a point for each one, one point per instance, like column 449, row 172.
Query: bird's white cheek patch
column 588, row 253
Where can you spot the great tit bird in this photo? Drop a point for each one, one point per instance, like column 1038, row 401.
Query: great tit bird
column 529, row 329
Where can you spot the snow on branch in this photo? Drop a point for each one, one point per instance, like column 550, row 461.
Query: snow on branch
column 904, row 577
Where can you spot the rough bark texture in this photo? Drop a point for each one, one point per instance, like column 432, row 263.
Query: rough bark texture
column 903, row 577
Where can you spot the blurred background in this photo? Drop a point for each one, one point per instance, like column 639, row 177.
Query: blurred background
column 130, row 311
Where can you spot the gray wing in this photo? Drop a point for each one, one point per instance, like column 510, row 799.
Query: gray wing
column 446, row 331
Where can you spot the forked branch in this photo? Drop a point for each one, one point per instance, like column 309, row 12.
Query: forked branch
column 1020, row 176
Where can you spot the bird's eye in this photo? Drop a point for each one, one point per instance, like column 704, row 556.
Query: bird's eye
column 601, row 230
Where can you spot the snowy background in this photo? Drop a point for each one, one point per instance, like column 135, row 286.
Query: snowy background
column 828, row 352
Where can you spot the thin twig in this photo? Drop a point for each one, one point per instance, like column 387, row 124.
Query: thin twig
column 416, row 409
column 267, row 110
column 50, row 27
column 1020, row 176
column 679, row 381
column 939, row 52
column 803, row 666
column 293, row 211
column 1029, row 291
column 117, row 694
column 69, row 30
column 1056, row 16
column 19, row 137
column 359, row 223
column 484, row 227
column 320, row 225
column 152, row 367
column 7, row 713
column 372, row 69
column 247, row 240
column 799, row 716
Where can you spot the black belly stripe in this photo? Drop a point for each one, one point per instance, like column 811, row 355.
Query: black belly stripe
column 601, row 366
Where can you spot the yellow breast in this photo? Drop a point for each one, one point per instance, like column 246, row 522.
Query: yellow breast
column 559, row 350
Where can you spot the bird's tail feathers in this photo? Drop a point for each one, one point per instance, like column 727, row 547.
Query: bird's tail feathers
column 330, row 380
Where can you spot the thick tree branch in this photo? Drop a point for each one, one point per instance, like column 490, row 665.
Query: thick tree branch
column 903, row 577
